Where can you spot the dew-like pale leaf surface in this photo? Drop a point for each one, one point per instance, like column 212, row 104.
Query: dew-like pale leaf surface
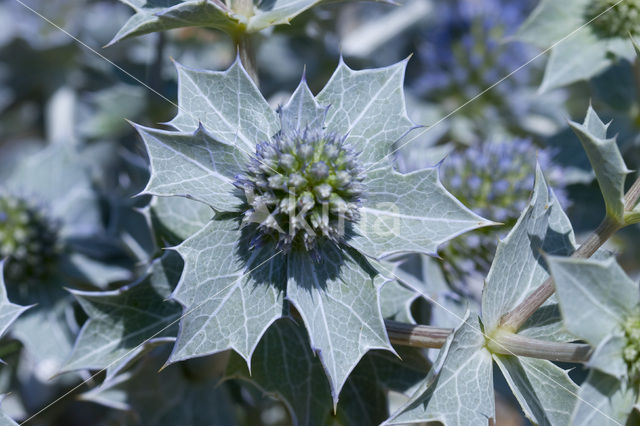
column 608, row 356
column 545, row 392
column 8, row 311
column 409, row 213
column 302, row 111
column 227, row 103
column 603, row 401
column 606, row 160
column 338, row 300
column 577, row 52
column 580, row 57
column 369, row 107
column 230, row 296
column 121, row 320
column 595, row 296
column 161, row 15
column 550, row 21
column 174, row 219
column 459, row 388
column 194, row 166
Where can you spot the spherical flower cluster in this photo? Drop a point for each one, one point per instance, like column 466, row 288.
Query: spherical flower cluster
column 495, row 180
column 28, row 240
column 302, row 186
column 612, row 18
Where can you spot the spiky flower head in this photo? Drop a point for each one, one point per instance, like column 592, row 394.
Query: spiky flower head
column 495, row 179
column 301, row 186
column 613, row 18
column 28, row 240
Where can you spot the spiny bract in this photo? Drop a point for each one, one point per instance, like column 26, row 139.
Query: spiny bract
column 300, row 186
column 27, row 239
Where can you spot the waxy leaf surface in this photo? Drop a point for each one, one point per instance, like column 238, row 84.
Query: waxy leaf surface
column 459, row 388
column 122, row 320
column 606, row 160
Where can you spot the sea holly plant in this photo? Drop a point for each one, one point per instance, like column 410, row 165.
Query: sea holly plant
column 49, row 212
column 585, row 36
column 304, row 200
column 463, row 370
column 522, row 326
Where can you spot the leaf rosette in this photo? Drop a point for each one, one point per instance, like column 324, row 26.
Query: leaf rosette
column 303, row 200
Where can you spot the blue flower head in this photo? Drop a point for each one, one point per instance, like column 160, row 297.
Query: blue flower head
column 464, row 53
column 495, row 179
column 300, row 186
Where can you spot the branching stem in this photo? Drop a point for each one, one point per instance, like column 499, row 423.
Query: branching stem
column 424, row 336
column 515, row 344
column 518, row 316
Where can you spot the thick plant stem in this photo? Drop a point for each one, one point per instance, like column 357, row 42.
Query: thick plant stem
column 247, row 55
column 424, row 336
column 520, row 314
column 632, row 195
column 418, row 336
column 515, row 344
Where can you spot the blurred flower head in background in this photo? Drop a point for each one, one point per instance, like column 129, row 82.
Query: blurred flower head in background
column 465, row 51
column 494, row 179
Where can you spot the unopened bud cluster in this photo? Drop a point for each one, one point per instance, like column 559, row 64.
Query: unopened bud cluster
column 632, row 348
column 613, row 18
column 28, row 241
column 301, row 186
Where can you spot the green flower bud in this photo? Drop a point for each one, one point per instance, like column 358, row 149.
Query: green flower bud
column 28, row 240
column 612, row 18
column 316, row 185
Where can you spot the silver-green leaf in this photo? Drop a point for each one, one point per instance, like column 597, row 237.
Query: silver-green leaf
column 368, row 105
column 595, row 296
column 227, row 103
column 121, row 320
column 545, row 392
column 518, row 267
column 603, row 400
column 161, row 15
column 606, row 160
column 194, row 166
column 230, row 296
column 459, row 388
column 409, row 213
column 338, row 300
